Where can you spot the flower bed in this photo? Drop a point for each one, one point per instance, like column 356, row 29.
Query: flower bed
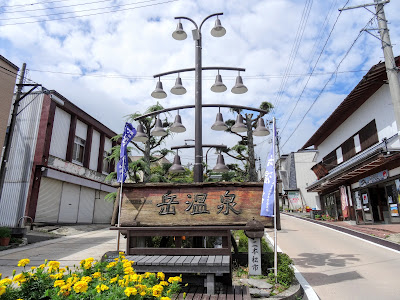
column 90, row 280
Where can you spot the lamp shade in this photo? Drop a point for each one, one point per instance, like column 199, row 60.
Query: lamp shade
column 239, row 125
column 178, row 88
column 140, row 135
column 159, row 93
column 219, row 124
column 176, row 166
column 220, row 167
column 239, row 87
column 158, row 129
column 218, row 30
column 260, row 130
column 179, row 34
column 218, row 86
column 177, row 126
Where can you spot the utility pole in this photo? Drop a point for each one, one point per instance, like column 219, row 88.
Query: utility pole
column 391, row 69
column 7, row 144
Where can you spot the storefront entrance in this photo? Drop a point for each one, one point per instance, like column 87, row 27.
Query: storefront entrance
column 375, row 204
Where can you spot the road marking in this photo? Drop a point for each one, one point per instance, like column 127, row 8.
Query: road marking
column 308, row 290
column 356, row 237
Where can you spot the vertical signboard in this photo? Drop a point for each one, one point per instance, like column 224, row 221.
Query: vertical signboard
column 344, row 201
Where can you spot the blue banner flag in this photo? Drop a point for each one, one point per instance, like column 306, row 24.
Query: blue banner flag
column 268, row 197
column 122, row 166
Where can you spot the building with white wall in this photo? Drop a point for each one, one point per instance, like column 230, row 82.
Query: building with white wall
column 296, row 176
column 56, row 170
column 359, row 155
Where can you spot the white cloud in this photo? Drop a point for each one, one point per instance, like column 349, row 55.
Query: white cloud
column 125, row 49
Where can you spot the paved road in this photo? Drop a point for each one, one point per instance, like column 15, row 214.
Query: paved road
column 338, row 266
column 68, row 250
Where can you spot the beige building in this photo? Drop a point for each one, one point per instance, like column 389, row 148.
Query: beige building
column 8, row 75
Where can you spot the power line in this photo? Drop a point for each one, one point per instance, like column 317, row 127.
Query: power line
column 122, row 76
column 315, row 65
column 294, row 51
column 55, row 7
column 31, row 4
column 94, row 14
column 326, row 84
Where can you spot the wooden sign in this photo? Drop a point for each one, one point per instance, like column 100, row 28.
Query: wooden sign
column 162, row 204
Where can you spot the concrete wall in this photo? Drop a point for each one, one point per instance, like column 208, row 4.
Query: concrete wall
column 305, row 176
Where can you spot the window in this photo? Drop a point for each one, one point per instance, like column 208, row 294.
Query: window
column 79, row 150
column 339, row 155
column 106, row 162
column 357, row 143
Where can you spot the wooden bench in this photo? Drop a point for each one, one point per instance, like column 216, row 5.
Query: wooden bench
column 208, row 261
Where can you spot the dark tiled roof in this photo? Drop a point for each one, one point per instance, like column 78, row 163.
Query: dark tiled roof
column 370, row 83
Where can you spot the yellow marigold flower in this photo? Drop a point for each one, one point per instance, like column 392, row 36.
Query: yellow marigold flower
column 41, row 266
column 90, row 259
column 127, row 264
column 53, row 265
column 121, row 282
column 157, row 293
column 80, row 287
column 2, row 290
column 33, row 268
column 72, row 280
column 184, row 295
column 174, row 279
column 96, row 274
column 101, row 288
column 86, row 278
column 143, row 293
column 24, row 262
column 116, row 259
column 87, row 265
column 112, row 280
column 161, row 275
column 164, row 283
column 59, row 283
column 5, row 281
column 130, row 291
column 165, row 298
column 62, row 270
column 56, row 276
column 19, row 278
column 111, row 264
column 128, row 270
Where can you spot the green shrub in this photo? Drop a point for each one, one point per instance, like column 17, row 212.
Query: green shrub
column 5, row 232
column 285, row 271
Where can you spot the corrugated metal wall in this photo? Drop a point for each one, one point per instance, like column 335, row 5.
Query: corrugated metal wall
column 63, row 202
column 94, row 154
column 59, row 136
column 102, row 210
column 19, row 167
column 49, row 199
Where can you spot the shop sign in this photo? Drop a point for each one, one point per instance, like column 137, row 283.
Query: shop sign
column 294, row 199
column 344, row 201
column 374, row 178
column 394, row 211
column 358, row 199
column 397, row 182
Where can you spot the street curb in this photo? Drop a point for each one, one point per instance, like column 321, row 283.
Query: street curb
column 48, row 242
column 292, row 293
column 358, row 234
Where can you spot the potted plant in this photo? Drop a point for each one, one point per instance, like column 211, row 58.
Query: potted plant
column 317, row 217
column 5, row 235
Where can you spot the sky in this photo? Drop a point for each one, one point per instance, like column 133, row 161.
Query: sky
column 302, row 56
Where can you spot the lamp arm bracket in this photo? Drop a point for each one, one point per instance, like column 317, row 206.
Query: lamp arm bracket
column 203, row 68
column 206, row 18
column 189, row 19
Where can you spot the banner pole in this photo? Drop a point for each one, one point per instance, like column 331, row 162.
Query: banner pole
column 120, row 202
column 275, row 212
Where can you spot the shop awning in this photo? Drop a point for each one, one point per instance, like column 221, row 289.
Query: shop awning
column 369, row 159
